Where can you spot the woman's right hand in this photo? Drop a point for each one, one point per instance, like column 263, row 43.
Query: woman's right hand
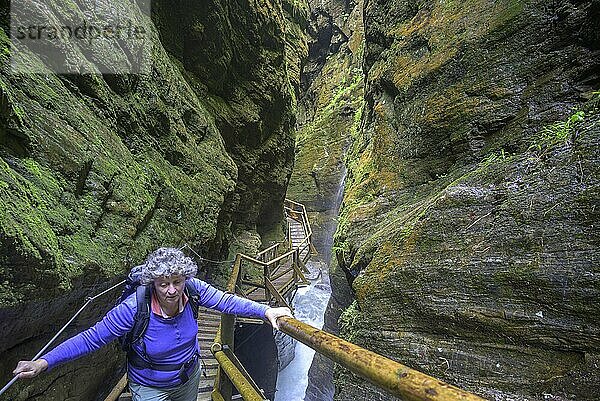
column 30, row 369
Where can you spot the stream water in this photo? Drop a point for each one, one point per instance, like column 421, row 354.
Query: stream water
column 309, row 307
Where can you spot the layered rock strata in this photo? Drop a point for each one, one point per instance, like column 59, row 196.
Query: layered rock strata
column 469, row 219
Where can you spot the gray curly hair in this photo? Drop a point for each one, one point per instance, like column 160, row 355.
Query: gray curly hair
column 165, row 262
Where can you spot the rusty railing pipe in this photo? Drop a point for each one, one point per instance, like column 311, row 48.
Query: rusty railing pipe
column 397, row 379
column 237, row 376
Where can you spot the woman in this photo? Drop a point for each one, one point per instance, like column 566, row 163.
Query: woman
column 164, row 364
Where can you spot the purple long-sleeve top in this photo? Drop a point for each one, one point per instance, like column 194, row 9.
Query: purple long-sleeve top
column 167, row 340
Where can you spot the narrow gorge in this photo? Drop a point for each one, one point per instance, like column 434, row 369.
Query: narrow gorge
column 447, row 152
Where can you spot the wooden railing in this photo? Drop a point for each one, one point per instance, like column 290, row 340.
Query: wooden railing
column 398, row 380
column 297, row 211
column 283, row 270
column 287, row 267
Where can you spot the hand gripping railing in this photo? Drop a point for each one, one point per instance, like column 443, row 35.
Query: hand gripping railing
column 41, row 352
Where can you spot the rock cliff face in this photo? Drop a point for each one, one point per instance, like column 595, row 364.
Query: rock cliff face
column 470, row 212
column 244, row 60
column 98, row 170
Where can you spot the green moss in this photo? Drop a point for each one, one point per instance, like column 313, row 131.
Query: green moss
column 345, row 89
column 321, row 142
column 348, row 321
column 152, row 137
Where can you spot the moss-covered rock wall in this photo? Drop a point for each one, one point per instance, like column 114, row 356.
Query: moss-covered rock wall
column 98, row 170
column 469, row 218
column 244, row 59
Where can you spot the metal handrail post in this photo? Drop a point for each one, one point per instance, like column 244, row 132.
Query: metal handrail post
column 265, row 280
column 226, row 338
column 237, row 374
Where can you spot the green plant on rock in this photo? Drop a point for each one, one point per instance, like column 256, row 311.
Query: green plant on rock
column 348, row 320
column 557, row 133
column 355, row 131
column 495, row 158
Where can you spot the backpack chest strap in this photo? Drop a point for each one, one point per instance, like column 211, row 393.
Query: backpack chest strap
column 134, row 359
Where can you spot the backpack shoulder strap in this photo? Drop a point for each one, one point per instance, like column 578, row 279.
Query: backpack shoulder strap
column 193, row 297
column 142, row 314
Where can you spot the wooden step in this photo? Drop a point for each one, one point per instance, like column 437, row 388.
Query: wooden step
column 209, row 313
column 210, row 363
column 206, row 336
column 208, row 330
column 210, row 372
column 204, row 397
column 125, row 397
column 203, row 321
column 206, row 384
column 205, row 353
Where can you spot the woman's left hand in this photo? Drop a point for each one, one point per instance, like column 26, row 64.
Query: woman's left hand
column 272, row 314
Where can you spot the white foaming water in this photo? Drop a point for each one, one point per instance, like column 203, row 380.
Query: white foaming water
column 309, row 307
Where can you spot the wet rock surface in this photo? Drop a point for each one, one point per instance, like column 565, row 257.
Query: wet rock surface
column 98, row 170
column 468, row 227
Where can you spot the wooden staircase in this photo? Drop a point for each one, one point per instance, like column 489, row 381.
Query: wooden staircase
column 297, row 237
column 208, row 319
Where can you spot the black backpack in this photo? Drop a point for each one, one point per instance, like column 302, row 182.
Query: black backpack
column 144, row 296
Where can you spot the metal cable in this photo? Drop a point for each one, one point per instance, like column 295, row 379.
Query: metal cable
column 204, row 259
column 41, row 352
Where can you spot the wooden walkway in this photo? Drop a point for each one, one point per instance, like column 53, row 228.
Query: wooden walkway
column 297, row 237
column 208, row 324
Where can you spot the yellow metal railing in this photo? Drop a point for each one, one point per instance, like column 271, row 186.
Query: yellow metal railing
column 231, row 372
